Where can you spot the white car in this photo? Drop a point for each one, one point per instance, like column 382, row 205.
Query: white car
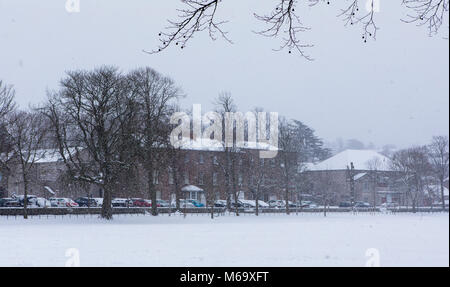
column 252, row 203
column 40, row 202
column 99, row 201
column 183, row 204
column 63, row 202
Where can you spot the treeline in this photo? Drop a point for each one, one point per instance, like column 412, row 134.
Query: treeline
column 421, row 165
column 105, row 123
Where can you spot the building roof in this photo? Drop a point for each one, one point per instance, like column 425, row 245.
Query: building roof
column 191, row 188
column 205, row 144
column 361, row 159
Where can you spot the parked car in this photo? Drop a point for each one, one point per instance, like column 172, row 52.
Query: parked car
column 184, row 204
column 234, row 204
column 220, row 203
column 196, row 203
column 139, row 202
column 389, row 205
column 39, row 202
column 252, row 204
column 313, row 205
column 21, row 199
column 162, row 203
column 86, row 202
column 63, row 202
column 361, row 204
column 121, row 202
column 281, row 204
column 9, row 202
column 98, row 201
column 345, row 204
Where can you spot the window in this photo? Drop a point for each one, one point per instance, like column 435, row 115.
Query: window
column 186, row 178
column 215, row 161
column 155, row 177
column 240, row 180
column 186, row 158
column 193, row 195
column 171, row 176
column 200, row 178
column 215, row 178
column 201, row 158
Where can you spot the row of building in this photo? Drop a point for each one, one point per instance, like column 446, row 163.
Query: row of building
column 352, row 175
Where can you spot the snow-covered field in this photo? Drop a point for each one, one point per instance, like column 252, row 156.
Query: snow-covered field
column 268, row 240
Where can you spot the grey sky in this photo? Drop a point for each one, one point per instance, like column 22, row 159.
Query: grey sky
column 393, row 90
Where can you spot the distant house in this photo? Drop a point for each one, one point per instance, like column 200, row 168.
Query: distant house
column 198, row 171
column 368, row 171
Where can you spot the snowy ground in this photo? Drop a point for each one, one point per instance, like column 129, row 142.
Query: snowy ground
column 269, row 240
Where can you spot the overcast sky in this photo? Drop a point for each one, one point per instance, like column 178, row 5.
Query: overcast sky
column 392, row 90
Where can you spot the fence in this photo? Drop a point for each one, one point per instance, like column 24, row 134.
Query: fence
column 142, row 210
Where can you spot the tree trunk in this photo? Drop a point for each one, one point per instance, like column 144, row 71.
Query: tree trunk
column 236, row 207
column 25, row 197
column 177, row 191
column 257, row 204
column 212, row 208
column 152, row 191
column 107, row 211
column 441, row 180
column 287, row 196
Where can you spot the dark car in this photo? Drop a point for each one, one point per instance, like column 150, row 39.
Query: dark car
column 238, row 205
column 21, row 199
column 86, row 202
column 361, row 204
column 345, row 204
column 9, row 202
column 121, row 202
column 220, row 203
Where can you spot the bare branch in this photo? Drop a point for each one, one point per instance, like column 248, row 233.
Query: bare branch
column 284, row 20
column 429, row 13
column 197, row 16
column 352, row 15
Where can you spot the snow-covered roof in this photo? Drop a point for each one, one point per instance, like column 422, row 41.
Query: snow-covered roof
column 50, row 155
column 191, row 188
column 49, row 190
column 361, row 160
column 205, row 144
column 359, row 175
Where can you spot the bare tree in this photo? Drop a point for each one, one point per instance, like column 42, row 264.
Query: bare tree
column 7, row 94
column 414, row 166
column 88, row 116
column 325, row 183
column 7, row 105
column 225, row 104
column 176, row 169
column 439, row 158
column 156, row 96
column 256, row 174
column 27, row 131
column 373, row 167
column 285, row 21
column 287, row 144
